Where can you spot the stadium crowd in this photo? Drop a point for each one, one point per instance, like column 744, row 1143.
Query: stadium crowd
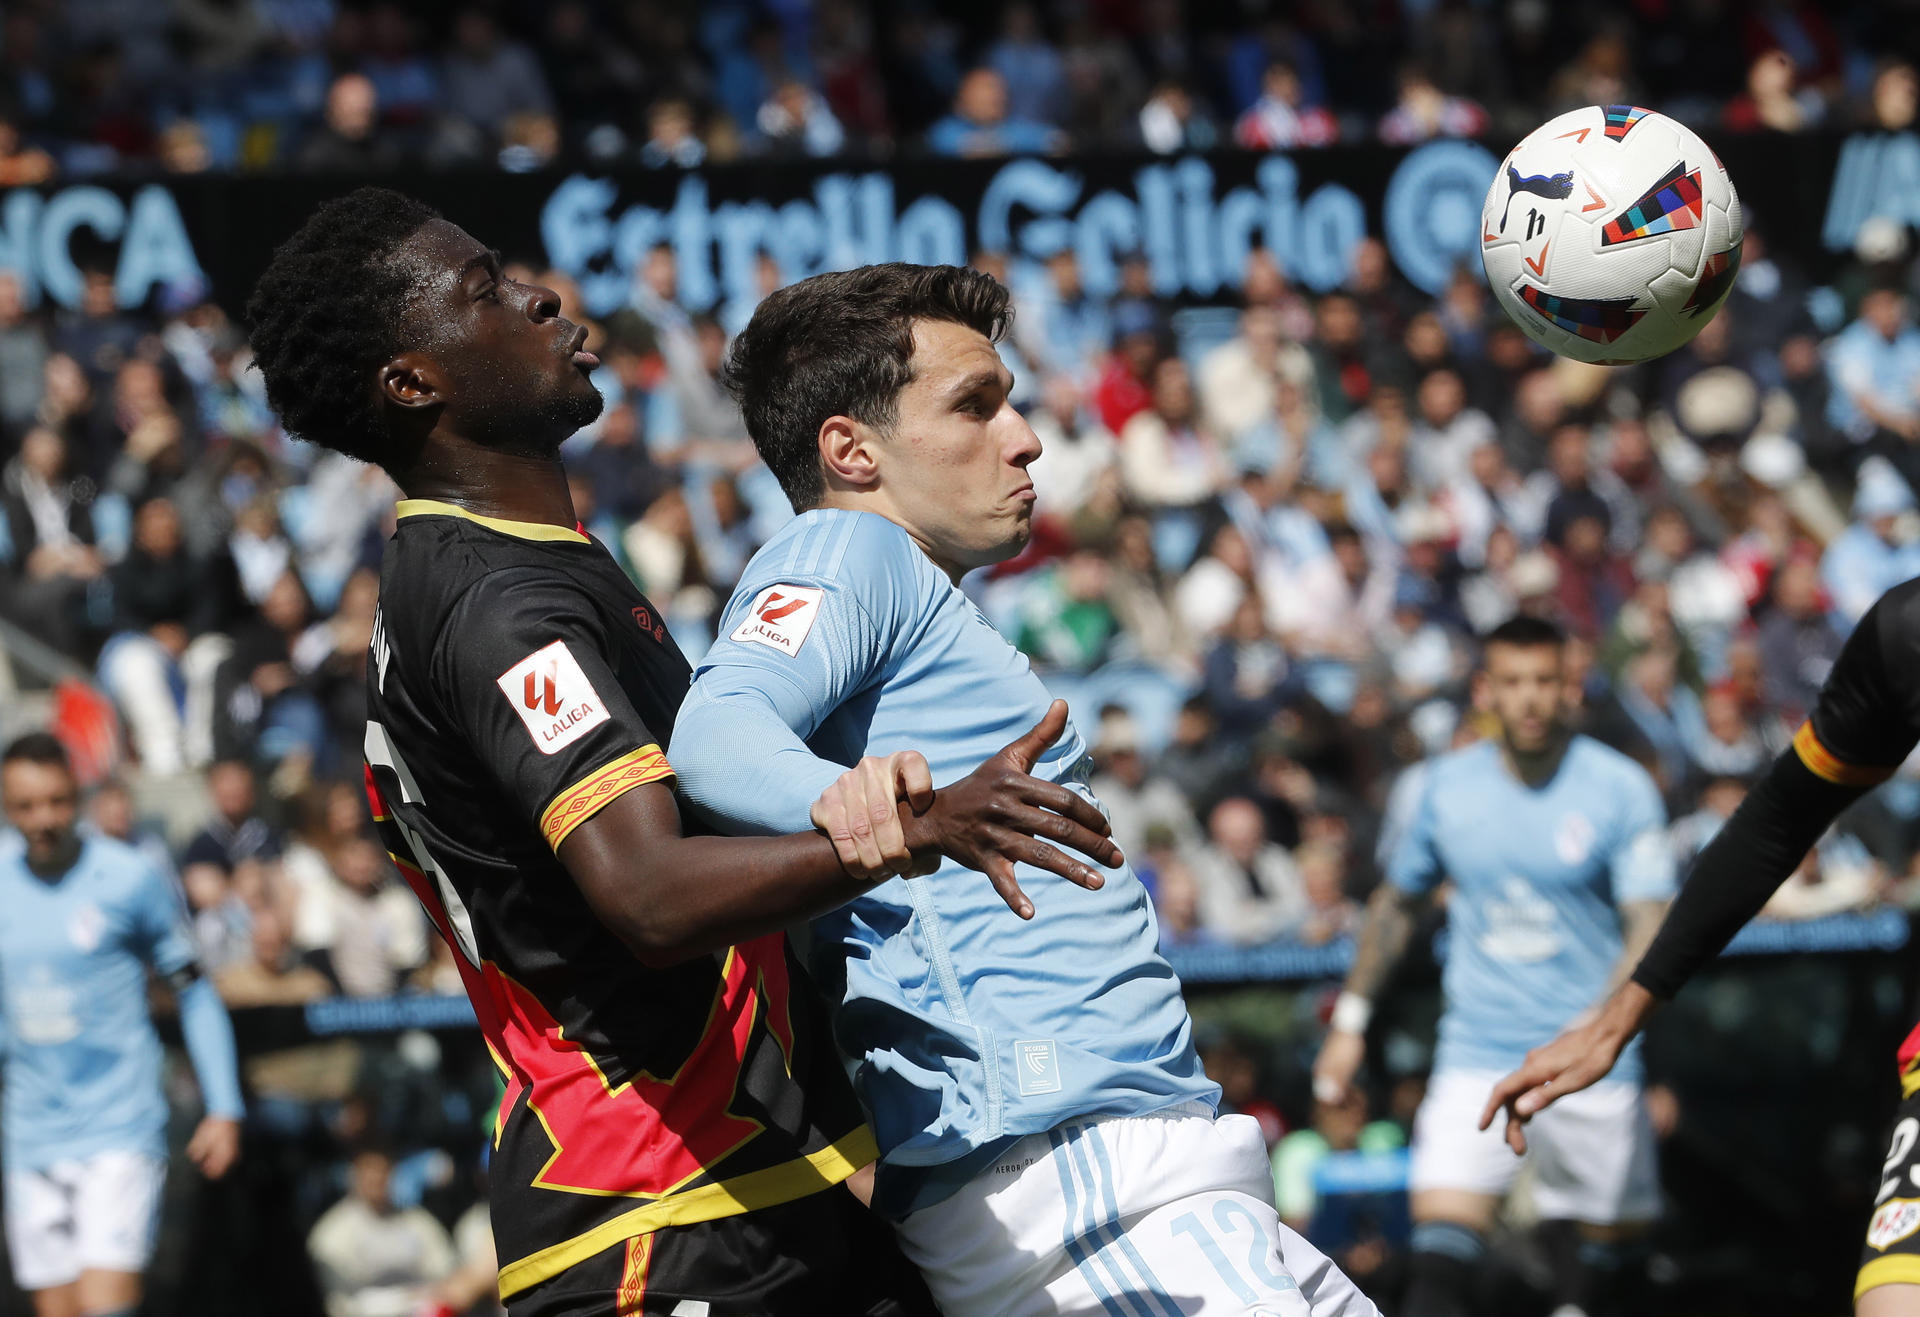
column 88, row 86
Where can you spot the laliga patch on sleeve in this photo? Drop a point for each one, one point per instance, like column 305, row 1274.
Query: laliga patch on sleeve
column 553, row 697
column 780, row 617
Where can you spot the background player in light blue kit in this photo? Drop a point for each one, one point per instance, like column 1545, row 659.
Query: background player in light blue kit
column 1556, row 849
column 1048, row 1139
column 84, row 1118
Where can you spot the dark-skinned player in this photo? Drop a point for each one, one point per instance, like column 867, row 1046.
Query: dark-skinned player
column 1864, row 726
column 677, row 1133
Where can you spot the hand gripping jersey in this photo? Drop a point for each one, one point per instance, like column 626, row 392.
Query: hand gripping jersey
column 518, row 683
column 965, row 1026
column 1539, row 874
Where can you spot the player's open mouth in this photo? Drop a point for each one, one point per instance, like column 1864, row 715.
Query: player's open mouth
column 583, row 359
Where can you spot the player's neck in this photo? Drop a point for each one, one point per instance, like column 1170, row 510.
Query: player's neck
column 850, row 501
column 1536, row 767
column 490, row 483
column 53, row 866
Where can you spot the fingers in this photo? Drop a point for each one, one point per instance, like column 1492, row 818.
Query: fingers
column 913, row 779
column 1517, row 1135
column 999, row 871
column 1025, row 752
column 1504, row 1092
column 882, row 807
column 1077, row 808
column 1029, row 850
column 841, row 814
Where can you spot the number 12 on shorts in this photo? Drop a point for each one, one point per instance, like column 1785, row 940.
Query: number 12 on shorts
column 1260, row 1271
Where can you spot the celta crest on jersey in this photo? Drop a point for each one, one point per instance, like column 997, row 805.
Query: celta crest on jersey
column 553, row 697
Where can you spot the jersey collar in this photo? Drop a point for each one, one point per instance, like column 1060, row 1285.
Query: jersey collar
column 523, row 530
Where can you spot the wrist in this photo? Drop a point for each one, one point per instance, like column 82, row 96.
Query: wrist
column 1351, row 1014
column 1627, row 1011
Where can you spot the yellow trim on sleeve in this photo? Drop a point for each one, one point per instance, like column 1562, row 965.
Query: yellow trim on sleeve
column 1910, row 1079
column 751, row 1192
column 1823, row 763
column 1893, row 1269
column 524, row 530
column 596, row 790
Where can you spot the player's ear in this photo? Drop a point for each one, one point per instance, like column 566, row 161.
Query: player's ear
column 411, row 380
column 847, row 451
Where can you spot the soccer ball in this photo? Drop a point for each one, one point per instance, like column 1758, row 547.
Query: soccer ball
column 1611, row 234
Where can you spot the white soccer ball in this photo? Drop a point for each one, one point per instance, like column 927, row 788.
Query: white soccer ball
column 1611, row 234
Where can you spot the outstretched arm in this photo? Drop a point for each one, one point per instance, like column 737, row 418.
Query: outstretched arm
column 1749, row 858
column 209, row 1034
column 1384, row 934
column 670, row 897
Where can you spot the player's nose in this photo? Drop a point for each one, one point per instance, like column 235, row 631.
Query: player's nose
column 542, row 303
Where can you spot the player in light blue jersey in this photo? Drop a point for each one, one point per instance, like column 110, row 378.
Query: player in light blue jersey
column 1556, row 849
column 1048, row 1139
column 83, row 1117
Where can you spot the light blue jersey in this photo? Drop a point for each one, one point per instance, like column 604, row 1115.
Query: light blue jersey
column 1539, row 876
column 964, row 1026
column 82, row 1061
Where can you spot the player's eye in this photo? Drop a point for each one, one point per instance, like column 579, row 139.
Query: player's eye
column 491, row 293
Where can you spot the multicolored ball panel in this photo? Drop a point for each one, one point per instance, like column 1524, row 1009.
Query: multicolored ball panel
column 1597, row 321
column 1622, row 118
column 1670, row 205
column 1715, row 280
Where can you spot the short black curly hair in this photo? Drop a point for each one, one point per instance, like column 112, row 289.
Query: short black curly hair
column 326, row 314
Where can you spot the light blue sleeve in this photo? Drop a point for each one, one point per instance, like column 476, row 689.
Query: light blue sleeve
column 1413, row 865
column 209, row 1035
column 169, row 950
column 739, row 743
column 1642, row 864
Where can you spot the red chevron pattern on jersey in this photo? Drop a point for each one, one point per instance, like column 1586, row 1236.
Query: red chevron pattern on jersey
column 1670, row 205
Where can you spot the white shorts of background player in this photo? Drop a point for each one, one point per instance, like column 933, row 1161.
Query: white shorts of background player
column 98, row 1214
column 1592, row 1151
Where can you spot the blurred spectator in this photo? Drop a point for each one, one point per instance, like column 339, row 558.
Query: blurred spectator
column 1281, row 120
column 51, row 561
column 1874, row 364
column 1075, row 450
column 1171, row 123
column 1169, row 455
column 379, row 932
column 489, row 77
column 982, row 125
column 796, row 120
column 1771, row 100
column 1137, row 801
column 348, row 139
column 375, row 1259
column 23, row 360
column 1896, row 96
column 235, row 832
column 1424, row 111
column 1798, row 643
column 1029, row 66
column 671, row 137
column 1879, row 549
column 1250, row 889
column 21, row 165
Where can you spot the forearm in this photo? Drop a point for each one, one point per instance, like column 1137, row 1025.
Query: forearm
column 1382, row 940
column 690, row 896
column 1639, row 922
column 209, row 1036
column 741, row 766
column 1755, row 852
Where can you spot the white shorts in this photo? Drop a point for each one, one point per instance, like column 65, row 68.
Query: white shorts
column 1168, row 1215
column 1593, row 1151
column 75, row 1216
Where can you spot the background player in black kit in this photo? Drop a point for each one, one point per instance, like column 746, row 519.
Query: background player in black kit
column 676, row 1126
column 1866, row 723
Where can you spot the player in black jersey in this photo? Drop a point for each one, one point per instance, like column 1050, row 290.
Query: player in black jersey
column 1864, row 726
column 676, row 1128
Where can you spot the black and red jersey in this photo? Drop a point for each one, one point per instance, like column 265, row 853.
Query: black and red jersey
column 518, row 683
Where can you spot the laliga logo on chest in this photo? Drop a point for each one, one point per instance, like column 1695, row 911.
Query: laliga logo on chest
column 553, row 697
column 780, row 618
